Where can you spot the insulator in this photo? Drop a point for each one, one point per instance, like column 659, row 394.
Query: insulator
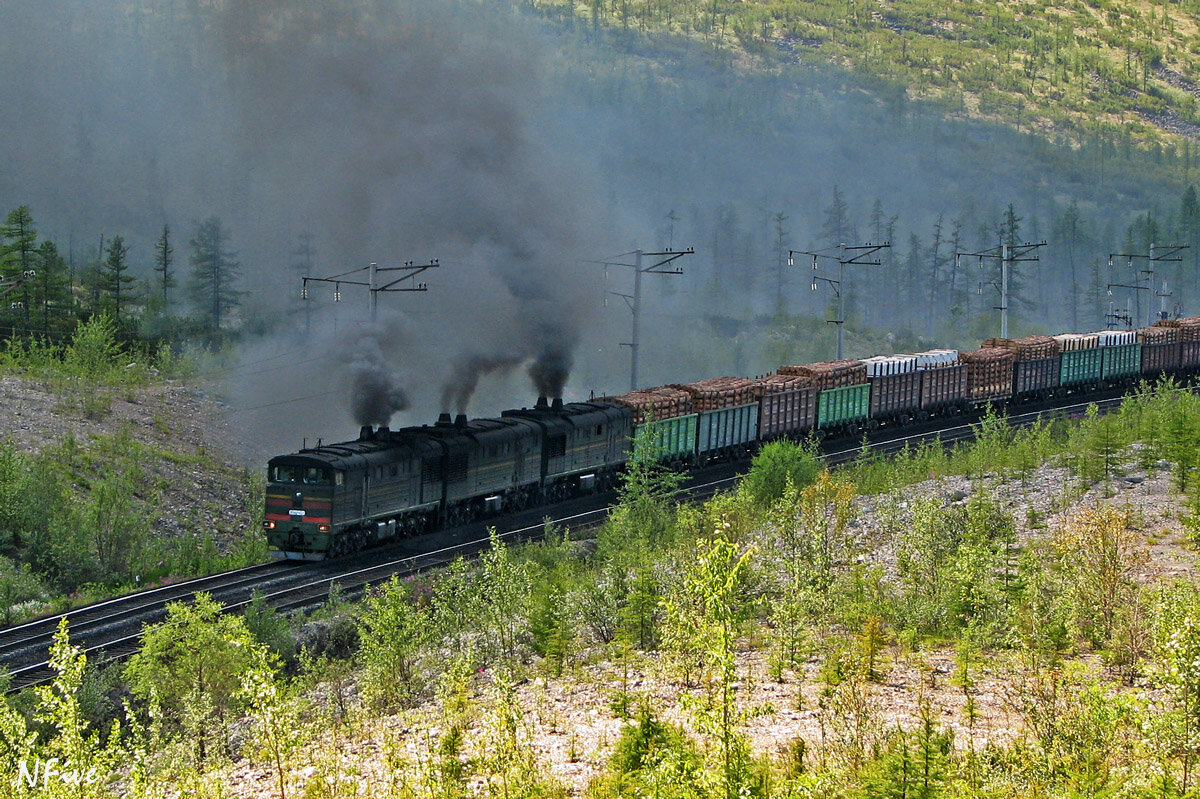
column 304, row 293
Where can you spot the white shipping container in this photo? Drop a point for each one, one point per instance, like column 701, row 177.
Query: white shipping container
column 1112, row 338
column 888, row 365
column 1074, row 341
column 932, row 359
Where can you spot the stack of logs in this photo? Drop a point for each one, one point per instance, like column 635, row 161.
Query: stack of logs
column 829, row 374
column 989, row 372
column 1028, row 348
column 654, row 403
column 716, row 393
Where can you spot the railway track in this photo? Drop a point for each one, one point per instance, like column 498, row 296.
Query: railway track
column 111, row 629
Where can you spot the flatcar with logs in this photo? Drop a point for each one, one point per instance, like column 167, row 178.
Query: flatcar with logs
column 332, row 500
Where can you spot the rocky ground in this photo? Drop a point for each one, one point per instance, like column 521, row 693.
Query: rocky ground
column 208, row 486
column 571, row 724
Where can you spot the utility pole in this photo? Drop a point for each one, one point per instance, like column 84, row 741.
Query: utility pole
column 408, row 271
column 634, row 301
column 861, row 251
column 1008, row 255
column 1170, row 253
column 780, row 240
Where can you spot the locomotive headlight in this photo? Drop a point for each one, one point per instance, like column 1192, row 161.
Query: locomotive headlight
column 269, row 525
column 322, row 528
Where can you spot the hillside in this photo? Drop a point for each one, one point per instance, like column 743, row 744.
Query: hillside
column 150, row 476
column 1069, row 70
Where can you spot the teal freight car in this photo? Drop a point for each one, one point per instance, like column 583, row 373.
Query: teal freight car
column 843, row 407
column 675, row 438
column 1081, row 367
column 1120, row 362
column 727, row 432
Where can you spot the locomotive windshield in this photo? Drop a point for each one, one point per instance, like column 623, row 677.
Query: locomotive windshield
column 308, row 475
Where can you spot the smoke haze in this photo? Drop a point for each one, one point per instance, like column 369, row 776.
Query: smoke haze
column 518, row 154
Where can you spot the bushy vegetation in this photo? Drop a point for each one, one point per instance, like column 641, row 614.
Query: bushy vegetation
column 691, row 597
column 76, row 517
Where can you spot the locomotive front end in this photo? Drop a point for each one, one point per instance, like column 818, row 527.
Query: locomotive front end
column 299, row 508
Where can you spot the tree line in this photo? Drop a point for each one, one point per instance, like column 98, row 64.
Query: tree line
column 46, row 293
column 938, row 282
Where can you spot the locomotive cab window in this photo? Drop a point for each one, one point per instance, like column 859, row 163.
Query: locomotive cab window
column 339, row 478
column 285, row 474
column 316, row 476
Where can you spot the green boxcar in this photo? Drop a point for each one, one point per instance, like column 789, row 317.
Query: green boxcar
column 1081, row 366
column 845, row 405
column 727, row 428
column 675, row 437
column 1121, row 360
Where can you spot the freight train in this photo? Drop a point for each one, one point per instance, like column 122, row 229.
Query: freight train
column 335, row 499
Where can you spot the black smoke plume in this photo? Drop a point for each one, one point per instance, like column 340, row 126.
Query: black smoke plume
column 433, row 139
column 376, row 390
column 552, row 364
column 464, row 377
column 375, row 396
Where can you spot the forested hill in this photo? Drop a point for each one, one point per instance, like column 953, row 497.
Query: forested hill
column 1072, row 70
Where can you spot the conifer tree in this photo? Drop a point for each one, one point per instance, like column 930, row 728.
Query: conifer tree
column 837, row 227
column 164, row 256
column 18, row 251
column 114, row 277
column 52, row 286
column 212, row 283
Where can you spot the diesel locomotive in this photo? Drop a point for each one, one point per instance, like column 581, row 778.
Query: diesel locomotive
column 335, row 499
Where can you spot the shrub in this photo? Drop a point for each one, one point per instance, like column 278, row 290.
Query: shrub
column 392, row 631
column 775, row 464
